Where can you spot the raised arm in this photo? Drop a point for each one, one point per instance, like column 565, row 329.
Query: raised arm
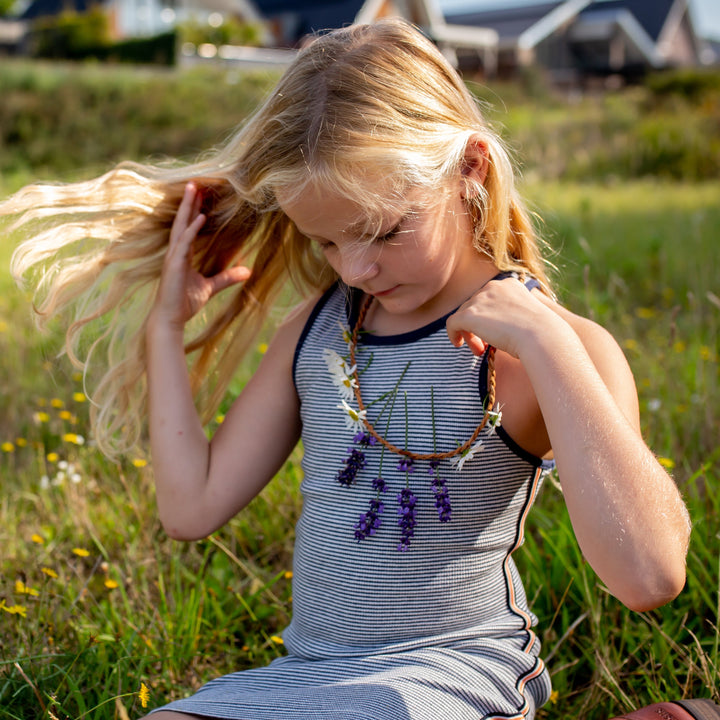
column 627, row 513
column 200, row 485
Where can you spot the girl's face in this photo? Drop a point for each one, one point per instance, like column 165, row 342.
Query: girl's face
column 421, row 263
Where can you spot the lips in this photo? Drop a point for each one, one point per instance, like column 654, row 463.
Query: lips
column 383, row 293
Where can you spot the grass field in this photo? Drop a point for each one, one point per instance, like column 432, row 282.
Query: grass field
column 100, row 610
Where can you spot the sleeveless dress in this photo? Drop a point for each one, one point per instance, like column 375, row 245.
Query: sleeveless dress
column 398, row 615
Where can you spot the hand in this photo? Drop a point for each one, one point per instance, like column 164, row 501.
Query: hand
column 503, row 313
column 183, row 290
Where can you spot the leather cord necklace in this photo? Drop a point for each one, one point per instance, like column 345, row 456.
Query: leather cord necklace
column 489, row 402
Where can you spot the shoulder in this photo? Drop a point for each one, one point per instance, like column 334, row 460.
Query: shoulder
column 606, row 355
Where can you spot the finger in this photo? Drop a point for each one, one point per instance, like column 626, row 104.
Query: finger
column 231, row 276
column 184, row 213
column 474, row 342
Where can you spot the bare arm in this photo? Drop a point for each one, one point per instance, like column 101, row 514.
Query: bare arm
column 200, row 484
column 628, row 517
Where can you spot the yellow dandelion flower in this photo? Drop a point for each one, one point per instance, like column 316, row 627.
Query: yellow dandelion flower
column 645, row 313
column 111, row 584
column 42, row 402
column 288, row 574
column 220, row 419
column 7, row 447
column 65, row 415
column 73, row 438
column 79, row 397
column 21, row 442
column 57, row 403
column 53, row 457
column 554, row 695
column 13, row 609
column 630, row 344
column 77, row 376
column 41, row 417
column 22, row 589
column 81, row 552
column 667, row 463
column 679, row 346
column 3, row 326
column 139, row 462
column 49, row 572
column 705, row 352
column 144, row 695
column 277, row 640
column 39, row 539
column 262, row 348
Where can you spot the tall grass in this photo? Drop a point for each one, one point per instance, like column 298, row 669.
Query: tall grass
column 98, row 604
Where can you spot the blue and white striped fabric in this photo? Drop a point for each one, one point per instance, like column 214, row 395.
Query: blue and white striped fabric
column 440, row 630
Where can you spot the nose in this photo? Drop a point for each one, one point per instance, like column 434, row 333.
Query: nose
column 358, row 264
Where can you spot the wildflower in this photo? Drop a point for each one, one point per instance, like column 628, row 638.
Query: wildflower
column 111, row 584
column 354, row 419
column 81, row 552
column 36, row 538
column 52, row 457
column 73, row 438
column 407, row 517
column 77, row 376
column 554, row 695
column 405, row 465
column 57, row 403
column 341, row 374
column 41, row 417
column 346, row 332
column 3, row 326
column 442, row 497
column 666, row 462
column 262, row 348
column 220, row 419
column 354, row 462
column 631, row 344
column 22, row 589
column 7, row 447
column 13, row 609
column 65, row 415
column 494, row 419
column 654, row 405
column 44, row 482
column 21, row 442
column 369, row 521
column 79, row 397
column 139, row 462
column 459, row 460
column 144, row 695
column 645, row 313
column 277, row 639
column 288, row 574
column 49, row 572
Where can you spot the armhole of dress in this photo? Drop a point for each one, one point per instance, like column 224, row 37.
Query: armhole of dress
column 308, row 326
column 531, row 284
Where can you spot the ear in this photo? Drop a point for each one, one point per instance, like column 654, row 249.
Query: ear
column 474, row 167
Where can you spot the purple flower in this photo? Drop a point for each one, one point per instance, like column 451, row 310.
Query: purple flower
column 365, row 439
column 379, row 484
column 407, row 517
column 442, row 497
column 370, row 521
column 405, row 465
column 354, row 462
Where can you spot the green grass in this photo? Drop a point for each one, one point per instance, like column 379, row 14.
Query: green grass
column 81, row 632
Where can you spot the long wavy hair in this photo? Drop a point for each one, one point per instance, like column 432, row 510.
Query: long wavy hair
column 356, row 103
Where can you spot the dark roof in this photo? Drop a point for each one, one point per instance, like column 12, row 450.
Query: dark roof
column 651, row 14
column 311, row 15
column 508, row 22
column 49, row 8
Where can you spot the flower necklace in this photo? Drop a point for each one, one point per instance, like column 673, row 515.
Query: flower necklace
column 347, row 380
column 362, row 412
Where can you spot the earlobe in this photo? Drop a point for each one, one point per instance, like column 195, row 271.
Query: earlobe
column 475, row 166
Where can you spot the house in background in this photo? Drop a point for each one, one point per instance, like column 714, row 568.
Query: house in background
column 576, row 39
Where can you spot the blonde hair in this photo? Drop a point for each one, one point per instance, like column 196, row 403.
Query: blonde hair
column 357, row 102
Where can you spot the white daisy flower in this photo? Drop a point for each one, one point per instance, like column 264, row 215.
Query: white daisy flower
column 341, row 374
column 354, row 419
column 346, row 332
column 459, row 460
column 494, row 419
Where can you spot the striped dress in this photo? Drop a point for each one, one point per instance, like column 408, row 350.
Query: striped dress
column 398, row 615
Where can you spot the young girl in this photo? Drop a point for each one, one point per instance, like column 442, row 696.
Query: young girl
column 431, row 377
